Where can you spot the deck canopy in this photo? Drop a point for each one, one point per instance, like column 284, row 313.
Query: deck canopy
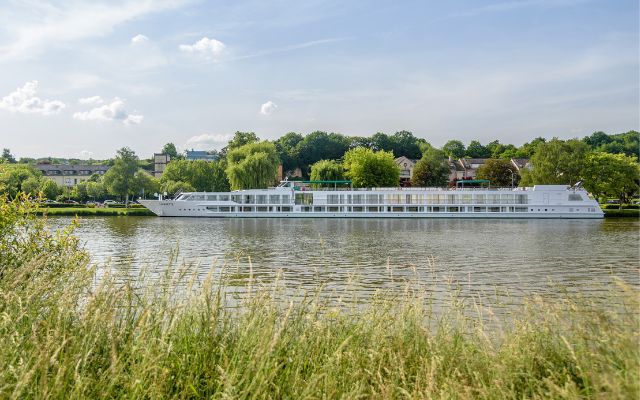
column 321, row 183
column 473, row 182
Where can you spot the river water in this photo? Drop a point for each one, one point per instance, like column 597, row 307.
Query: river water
column 516, row 257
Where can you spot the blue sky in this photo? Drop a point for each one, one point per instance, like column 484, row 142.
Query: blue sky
column 82, row 79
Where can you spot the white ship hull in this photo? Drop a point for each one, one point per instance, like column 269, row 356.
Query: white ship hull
column 548, row 202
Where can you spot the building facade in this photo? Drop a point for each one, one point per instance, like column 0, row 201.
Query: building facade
column 70, row 175
column 160, row 161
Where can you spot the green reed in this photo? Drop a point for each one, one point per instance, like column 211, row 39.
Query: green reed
column 68, row 332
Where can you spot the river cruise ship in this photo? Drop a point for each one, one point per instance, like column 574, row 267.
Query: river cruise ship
column 306, row 199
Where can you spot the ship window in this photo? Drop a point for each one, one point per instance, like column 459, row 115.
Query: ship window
column 521, row 199
column 246, row 209
column 397, row 209
column 494, row 209
column 306, row 209
column 372, row 199
column 226, row 209
column 212, row 197
column 521, row 209
column 480, row 198
column 358, row 209
column 285, row 208
column 333, row 209
column 575, row 197
column 274, row 199
column 248, row 199
column 479, row 209
column 454, row 209
column 438, row 209
column 412, row 209
column 451, row 199
column 262, row 209
column 333, row 199
column 212, row 208
column 318, row 209
column 372, row 209
column 285, row 199
column 466, row 199
column 304, row 198
column 224, row 197
column 261, row 199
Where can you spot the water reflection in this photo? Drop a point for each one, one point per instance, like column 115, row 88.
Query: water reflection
column 482, row 256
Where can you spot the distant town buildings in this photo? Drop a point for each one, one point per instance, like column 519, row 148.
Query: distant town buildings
column 461, row 169
column 70, row 175
column 193, row 155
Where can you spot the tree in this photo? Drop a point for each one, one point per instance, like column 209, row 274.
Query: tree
column 120, row 178
column 614, row 175
column 31, row 185
column 477, row 150
column 597, row 139
column 327, row 170
column 173, row 187
column 318, row 146
column 287, row 149
column 405, row 144
column 170, row 149
column 50, row 190
column 95, row 190
column 527, row 150
column 12, row 177
column 556, row 162
column 7, row 157
column 368, row 168
column 145, row 184
column 252, row 166
column 500, row 172
column 203, row 176
column 242, row 138
column 454, row 149
column 431, row 170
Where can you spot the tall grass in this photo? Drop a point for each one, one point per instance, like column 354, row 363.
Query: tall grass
column 71, row 335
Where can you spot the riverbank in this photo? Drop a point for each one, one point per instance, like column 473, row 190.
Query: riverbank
column 86, row 211
column 615, row 213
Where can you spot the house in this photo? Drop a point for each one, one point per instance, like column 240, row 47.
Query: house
column 160, row 161
column 192, row 155
column 70, row 175
column 406, row 166
column 520, row 163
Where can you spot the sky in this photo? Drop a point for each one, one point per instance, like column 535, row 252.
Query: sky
column 83, row 79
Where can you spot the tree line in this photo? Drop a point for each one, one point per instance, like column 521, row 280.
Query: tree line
column 608, row 165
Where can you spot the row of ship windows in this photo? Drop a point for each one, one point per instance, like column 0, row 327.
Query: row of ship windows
column 307, row 198
column 450, row 209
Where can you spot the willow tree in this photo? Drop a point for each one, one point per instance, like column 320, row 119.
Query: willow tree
column 252, row 166
column 327, row 170
column 368, row 168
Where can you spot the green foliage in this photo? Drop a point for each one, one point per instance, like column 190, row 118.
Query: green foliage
column 527, row 150
column 327, row 170
column 557, row 162
column 477, row 150
column 49, row 189
column 368, row 168
column 614, row 175
column 431, row 170
column 624, row 143
column 240, row 139
column 454, row 148
column 252, row 166
column 500, row 172
column 120, row 178
column 13, row 176
column 202, row 176
column 7, row 157
column 401, row 143
column 145, row 184
column 172, row 187
column 170, row 149
column 318, row 146
column 288, row 151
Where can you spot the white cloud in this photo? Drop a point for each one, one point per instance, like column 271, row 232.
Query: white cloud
column 268, row 108
column 114, row 111
column 24, row 100
column 84, row 154
column 205, row 47
column 139, row 39
column 207, row 141
column 36, row 27
column 91, row 100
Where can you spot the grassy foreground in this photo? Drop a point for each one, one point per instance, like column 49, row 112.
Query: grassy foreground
column 65, row 334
